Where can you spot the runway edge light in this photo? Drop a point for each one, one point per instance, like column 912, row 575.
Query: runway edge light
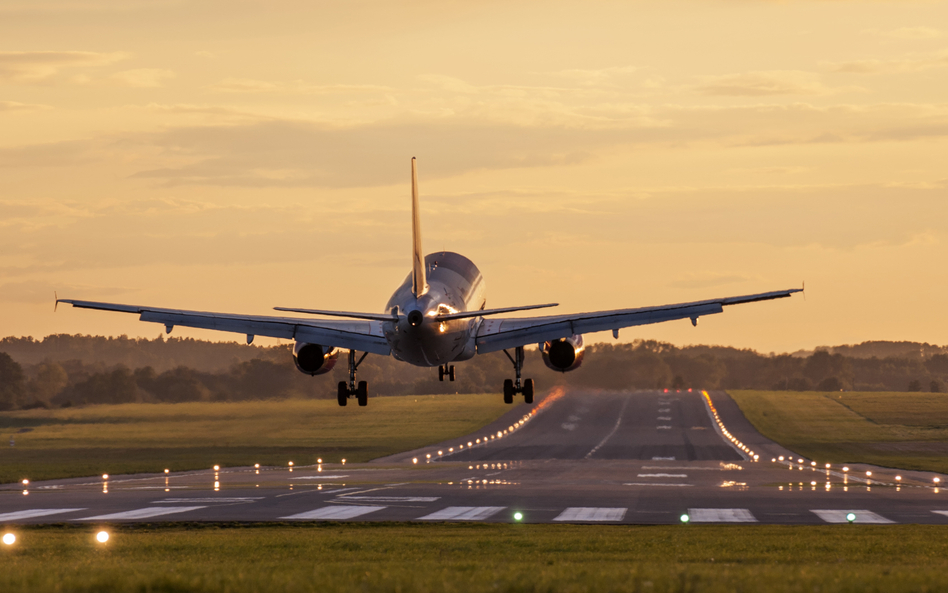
column 685, row 518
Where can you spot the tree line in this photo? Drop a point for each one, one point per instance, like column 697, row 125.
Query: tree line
column 64, row 370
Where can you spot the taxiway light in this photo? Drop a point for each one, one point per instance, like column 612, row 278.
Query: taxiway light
column 105, row 476
column 102, row 537
column 518, row 516
column 756, row 457
column 414, row 460
column 320, row 460
column 428, row 456
column 780, row 458
column 217, row 468
column 850, row 517
column 898, row 478
column 685, row 518
column 167, row 471
column 25, row 482
column 868, row 474
column 291, row 464
column 9, row 539
column 773, row 460
column 799, row 461
column 450, row 449
column 845, row 469
column 813, row 463
column 343, row 462
column 440, row 452
column 827, row 466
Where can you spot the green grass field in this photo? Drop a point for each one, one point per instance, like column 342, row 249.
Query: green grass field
column 130, row 438
column 903, row 430
column 477, row 557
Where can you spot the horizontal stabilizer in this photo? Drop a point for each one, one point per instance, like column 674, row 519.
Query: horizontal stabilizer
column 370, row 316
column 482, row 312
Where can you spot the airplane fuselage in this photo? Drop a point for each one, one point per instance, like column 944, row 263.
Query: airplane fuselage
column 454, row 285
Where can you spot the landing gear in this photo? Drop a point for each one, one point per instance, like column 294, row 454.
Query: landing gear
column 513, row 387
column 446, row 371
column 347, row 390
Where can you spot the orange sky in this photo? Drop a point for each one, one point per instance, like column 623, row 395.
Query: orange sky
column 239, row 155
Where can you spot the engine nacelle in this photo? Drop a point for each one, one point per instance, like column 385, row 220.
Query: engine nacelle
column 314, row 359
column 565, row 354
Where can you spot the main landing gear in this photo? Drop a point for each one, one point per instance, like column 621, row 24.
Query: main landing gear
column 446, row 371
column 512, row 387
column 347, row 390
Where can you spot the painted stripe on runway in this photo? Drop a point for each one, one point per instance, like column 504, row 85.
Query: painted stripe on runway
column 653, row 484
column 591, row 514
column 662, row 476
column 392, row 498
column 208, row 499
column 862, row 516
column 17, row 515
column 462, row 514
column 336, row 512
column 720, row 516
column 945, row 513
column 145, row 513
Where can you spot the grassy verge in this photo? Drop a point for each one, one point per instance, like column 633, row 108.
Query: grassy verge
column 904, row 430
column 400, row 557
column 150, row 437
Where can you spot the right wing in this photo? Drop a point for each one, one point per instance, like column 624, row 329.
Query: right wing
column 365, row 336
column 498, row 334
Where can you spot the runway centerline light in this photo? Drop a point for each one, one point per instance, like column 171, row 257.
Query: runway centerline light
column 102, row 537
column 850, row 517
column 518, row 516
column 685, row 518
column 9, row 539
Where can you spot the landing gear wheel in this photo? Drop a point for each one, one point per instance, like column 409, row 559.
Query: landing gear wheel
column 343, row 393
column 441, row 373
column 508, row 391
column 363, row 393
column 451, row 372
column 528, row 391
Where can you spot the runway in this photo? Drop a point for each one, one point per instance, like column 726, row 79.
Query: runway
column 646, row 457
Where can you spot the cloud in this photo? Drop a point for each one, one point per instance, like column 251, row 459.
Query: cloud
column 143, row 77
column 249, row 85
column 38, row 66
column 758, row 84
column 873, row 66
column 8, row 106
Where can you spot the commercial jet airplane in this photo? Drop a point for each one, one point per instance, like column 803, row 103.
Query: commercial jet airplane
column 435, row 318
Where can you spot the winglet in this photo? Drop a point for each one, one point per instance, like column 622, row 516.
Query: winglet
column 419, row 284
column 803, row 290
column 56, row 301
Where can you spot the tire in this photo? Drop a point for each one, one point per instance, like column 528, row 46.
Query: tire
column 451, row 372
column 343, row 393
column 508, row 391
column 363, row 393
column 528, row 391
column 441, row 373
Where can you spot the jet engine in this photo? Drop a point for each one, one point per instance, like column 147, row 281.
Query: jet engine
column 565, row 354
column 314, row 359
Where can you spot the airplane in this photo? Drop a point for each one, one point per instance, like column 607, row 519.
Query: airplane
column 437, row 317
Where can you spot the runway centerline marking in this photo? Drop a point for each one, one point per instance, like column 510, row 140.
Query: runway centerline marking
column 17, row 515
column 614, row 429
column 145, row 513
column 462, row 514
column 839, row 516
column 582, row 514
column 720, row 516
column 664, row 418
column 663, row 428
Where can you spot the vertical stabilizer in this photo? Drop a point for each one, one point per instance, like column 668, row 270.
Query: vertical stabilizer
column 419, row 284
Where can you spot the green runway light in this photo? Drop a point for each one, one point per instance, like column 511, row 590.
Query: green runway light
column 518, row 516
column 851, row 517
column 685, row 518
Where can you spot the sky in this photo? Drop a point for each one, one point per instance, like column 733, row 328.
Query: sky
column 235, row 156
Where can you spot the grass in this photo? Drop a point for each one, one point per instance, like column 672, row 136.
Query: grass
column 477, row 557
column 902, row 430
column 131, row 438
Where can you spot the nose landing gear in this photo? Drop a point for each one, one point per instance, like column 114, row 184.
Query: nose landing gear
column 512, row 387
column 347, row 390
column 446, row 371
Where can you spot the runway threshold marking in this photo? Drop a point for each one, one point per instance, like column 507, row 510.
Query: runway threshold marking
column 582, row 514
column 336, row 512
column 839, row 516
column 614, row 429
column 17, row 515
column 944, row 513
column 720, row 516
column 462, row 514
column 145, row 513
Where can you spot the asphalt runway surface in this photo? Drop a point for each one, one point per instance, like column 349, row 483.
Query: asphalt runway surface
column 644, row 457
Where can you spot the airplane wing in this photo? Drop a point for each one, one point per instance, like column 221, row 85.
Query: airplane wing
column 363, row 335
column 497, row 334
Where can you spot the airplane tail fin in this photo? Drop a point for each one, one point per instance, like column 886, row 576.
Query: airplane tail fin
column 419, row 284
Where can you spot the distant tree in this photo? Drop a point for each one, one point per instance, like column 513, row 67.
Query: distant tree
column 112, row 387
column 49, row 378
column 935, row 386
column 799, row 384
column 11, row 383
column 937, row 364
column 915, row 385
column 830, row 384
column 678, row 382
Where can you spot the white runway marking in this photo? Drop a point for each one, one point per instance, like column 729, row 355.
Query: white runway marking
column 392, row 498
column 945, row 513
column 591, row 514
column 664, row 410
column 206, row 500
column 663, row 428
column 17, row 515
column 863, row 516
column 335, row 512
column 462, row 514
column 614, row 429
column 720, row 516
column 320, row 477
column 662, row 476
column 568, row 426
column 653, row 484
column 663, row 458
column 146, row 513
column 664, row 418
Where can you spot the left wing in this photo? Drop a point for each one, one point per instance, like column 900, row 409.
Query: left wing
column 364, row 335
column 497, row 334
